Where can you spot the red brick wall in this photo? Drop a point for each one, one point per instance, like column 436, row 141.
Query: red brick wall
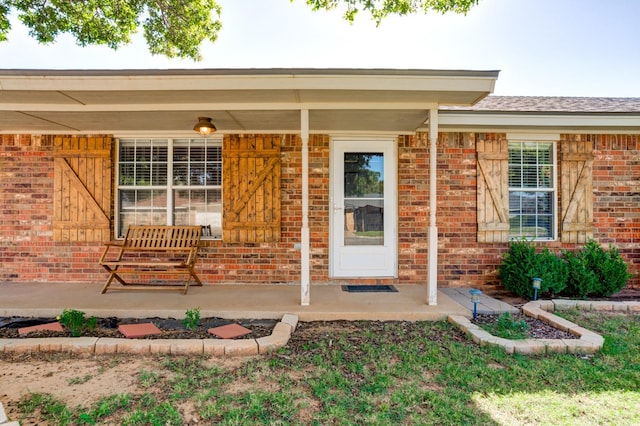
column 616, row 187
column 462, row 261
column 616, row 192
column 28, row 252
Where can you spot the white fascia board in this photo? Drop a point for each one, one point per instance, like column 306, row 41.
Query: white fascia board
column 549, row 121
column 472, row 82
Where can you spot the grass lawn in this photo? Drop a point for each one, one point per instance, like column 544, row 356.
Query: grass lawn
column 384, row 373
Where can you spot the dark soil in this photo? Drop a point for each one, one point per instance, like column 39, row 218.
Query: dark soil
column 537, row 329
column 108, row 327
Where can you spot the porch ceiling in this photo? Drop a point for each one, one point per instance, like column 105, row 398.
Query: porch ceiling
column 250, row 100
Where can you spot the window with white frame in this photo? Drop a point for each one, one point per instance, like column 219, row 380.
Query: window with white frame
column 170, row 182
column 532, row 190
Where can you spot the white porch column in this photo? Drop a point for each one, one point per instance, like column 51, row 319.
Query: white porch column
column 432, row 284
column 305, row 295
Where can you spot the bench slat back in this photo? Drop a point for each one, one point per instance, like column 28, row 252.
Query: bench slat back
column 163, row 237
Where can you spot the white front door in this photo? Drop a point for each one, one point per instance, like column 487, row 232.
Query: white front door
column 363, row 208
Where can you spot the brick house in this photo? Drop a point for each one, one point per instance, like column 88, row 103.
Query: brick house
column 313, row 176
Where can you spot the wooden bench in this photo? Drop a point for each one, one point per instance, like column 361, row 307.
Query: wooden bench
column 153, row 250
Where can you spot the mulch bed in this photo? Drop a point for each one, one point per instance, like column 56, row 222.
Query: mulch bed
column 537, row 329
column 171, row 328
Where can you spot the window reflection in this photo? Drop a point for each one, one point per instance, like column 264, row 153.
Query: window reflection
column 364, row 199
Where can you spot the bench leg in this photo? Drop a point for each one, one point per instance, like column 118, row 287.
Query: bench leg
column 194, row 276
column 113, row 274
column 108, row 283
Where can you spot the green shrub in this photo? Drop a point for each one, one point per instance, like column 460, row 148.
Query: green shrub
column 522, row 263
column 590, row 271
column 594, row 271
column 516, row 266
column 582, row 279
column 552, row 270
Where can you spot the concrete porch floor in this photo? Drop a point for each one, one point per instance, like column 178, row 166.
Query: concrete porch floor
column 328, row 302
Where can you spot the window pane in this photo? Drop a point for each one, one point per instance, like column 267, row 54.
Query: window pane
column 142, row 207
column 545, row 177
column 127, row 174
column 544, row 203
column 363, row 222
column 199, row 207
column 127, row 153
column 180, row 174
column 197, row 174
column 197, row 154
column 364, row 175
column 515, row 175
column 180, row 153
column 214, row 174
column 531, row 214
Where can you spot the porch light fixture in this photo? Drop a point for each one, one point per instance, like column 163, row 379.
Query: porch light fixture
column 204, row 126
column 475, row 298
column 536, row 284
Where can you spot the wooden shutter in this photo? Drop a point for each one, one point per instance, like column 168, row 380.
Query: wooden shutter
column 493, row 191
column 251, row 188
column 82, row 189
column 577, row 191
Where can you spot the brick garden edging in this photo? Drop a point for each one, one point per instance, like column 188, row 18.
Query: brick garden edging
column 588, row 342
column 109, row 345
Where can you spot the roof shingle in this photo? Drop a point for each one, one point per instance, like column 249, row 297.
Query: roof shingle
column 553, row 104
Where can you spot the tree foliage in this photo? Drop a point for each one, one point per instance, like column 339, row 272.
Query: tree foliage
column 380, row 9
column 173, row 28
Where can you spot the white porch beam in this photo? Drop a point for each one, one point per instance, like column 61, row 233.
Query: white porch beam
column 432, row 283
column 211, row 106
column 305, row 290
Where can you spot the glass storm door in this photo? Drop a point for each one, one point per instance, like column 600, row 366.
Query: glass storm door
column 363, row 209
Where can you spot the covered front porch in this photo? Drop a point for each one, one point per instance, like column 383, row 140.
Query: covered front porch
column 235, row 301
column 310, row 112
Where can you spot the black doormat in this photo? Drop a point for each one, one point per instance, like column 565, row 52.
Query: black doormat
column 369, row 289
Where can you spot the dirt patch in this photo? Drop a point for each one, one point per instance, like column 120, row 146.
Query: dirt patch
column 78, row 380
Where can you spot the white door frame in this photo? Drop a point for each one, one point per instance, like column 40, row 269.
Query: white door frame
column 370, row 261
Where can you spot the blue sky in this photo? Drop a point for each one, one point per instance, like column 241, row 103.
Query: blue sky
column 542, row 47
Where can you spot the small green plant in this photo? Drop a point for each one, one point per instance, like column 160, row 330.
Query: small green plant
column 191, row 318
column 80, row 379
column 104, row 408
column 148, row 378
column 508, row 328
column 76, row 321
column 48, row 407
